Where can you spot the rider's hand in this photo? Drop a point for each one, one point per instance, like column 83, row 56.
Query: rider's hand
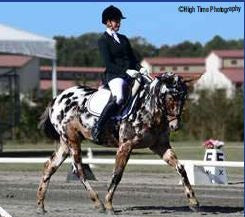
column 143, row 71
column 132, row 73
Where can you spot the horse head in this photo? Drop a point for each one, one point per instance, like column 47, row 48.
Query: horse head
column 170, row 91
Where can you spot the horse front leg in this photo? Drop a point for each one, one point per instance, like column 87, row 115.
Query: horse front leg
column 49, row 169
column 77, row 163
column 122, row 156
column 171, row 158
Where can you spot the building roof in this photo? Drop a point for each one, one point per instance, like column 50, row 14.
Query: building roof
column 73, row 69
column 175, row 60
column 13, row 61
column 236, row 75
column 229, row 53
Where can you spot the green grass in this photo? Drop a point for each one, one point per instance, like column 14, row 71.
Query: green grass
column 184, row 150
column 11, row 146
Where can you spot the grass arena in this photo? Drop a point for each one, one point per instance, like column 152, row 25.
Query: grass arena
column 144, row 190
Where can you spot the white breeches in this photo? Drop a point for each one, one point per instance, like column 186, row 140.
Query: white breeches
column 116, row 86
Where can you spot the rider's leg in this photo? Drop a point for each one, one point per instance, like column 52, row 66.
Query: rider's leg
column 116, row 86
column 109, row 110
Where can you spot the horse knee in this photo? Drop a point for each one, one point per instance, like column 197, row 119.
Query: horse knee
column 46, row 166
column 170, row 157
column 48, row 175
column 48, row 171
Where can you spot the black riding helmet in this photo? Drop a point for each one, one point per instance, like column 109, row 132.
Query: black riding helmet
column 111, row 13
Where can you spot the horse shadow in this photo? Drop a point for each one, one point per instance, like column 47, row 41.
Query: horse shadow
column 204, row 210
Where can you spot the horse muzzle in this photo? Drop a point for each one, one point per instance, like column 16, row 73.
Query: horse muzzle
column 174, row 124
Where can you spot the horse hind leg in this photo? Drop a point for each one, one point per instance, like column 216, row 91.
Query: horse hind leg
column 170, row 157
column 76, row 158
column 49, row 169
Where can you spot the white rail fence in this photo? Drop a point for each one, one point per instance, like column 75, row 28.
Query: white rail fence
column 130, row 162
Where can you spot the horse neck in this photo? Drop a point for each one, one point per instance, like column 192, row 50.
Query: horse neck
column 148, row 106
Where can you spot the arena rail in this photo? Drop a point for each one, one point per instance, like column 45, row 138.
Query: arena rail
column 130, row 162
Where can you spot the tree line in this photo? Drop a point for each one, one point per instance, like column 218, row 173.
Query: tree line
column 83, row 50
column 213, row 115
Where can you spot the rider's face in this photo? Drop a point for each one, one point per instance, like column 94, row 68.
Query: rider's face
column 114, row 24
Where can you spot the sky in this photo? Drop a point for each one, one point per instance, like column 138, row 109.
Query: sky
column 160, row 23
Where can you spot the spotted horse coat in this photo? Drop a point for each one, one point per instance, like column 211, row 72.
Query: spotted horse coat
column 157, row 112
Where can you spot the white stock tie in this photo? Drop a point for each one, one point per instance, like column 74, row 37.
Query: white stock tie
column 114, row 35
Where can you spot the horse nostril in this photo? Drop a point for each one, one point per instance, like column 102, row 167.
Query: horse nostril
column 172, row 127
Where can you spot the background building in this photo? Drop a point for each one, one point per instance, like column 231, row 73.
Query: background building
column 20, row 52
column 186, row 67
column 221, row 69
column 224, row 70
column 70, row 76
column 23, row 70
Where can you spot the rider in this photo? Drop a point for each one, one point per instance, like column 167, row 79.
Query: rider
column 120, row 63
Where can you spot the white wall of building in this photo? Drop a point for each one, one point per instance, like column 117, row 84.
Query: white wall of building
column 213, row 78
column 147, row 66
column 29, row 76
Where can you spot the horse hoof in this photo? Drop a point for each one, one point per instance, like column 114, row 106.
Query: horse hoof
column 41, row 211
column 110, row 211
column 100, row 208
column 195, row 207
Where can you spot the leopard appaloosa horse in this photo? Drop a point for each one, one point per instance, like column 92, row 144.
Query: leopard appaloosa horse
column 156, row 112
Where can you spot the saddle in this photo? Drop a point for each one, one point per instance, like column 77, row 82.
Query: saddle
column 98, row 100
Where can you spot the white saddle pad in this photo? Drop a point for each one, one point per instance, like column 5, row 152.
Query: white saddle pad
column 97, row 102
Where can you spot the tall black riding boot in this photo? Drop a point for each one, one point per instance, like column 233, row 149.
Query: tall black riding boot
column 110, row 110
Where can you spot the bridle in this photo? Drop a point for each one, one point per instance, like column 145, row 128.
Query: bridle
column 180, row 98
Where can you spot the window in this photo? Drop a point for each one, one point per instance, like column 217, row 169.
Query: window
column 162, row 68
column 175, row 68
column 67, row 75
column 60, row 75
column 233, row 62
column 45, row 75
column 156, row 68
column 186, row 68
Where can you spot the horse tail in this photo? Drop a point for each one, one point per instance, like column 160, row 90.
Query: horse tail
column 46, row 126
